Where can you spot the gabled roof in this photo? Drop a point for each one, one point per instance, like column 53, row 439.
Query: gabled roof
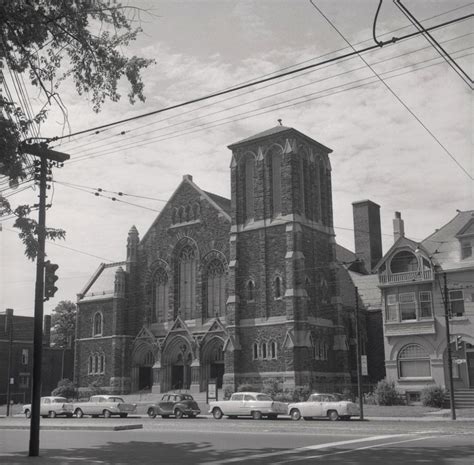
column 444, row 244
column 220, row 203
column 278, row 130
column 102, row 282
column 219, row 200
column 401, row 242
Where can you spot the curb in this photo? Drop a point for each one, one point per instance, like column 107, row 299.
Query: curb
column 75, row 427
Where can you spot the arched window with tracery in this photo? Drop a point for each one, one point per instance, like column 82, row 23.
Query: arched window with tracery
column 187, row 282
column 215, row 288
column 249, row 188
column 276, row 159
column 160, row 295
column 97, row 324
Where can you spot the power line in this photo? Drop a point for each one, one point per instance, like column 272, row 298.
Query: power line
column 395, row 95
column 451, row 62
column 210, row 125
column 122, row 133
column 254, row 83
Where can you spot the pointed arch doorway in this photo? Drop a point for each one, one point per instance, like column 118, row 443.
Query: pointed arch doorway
column 177, row 360
column 142, row 369
column 213, row 362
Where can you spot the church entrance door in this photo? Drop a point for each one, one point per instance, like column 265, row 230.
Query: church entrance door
column 145, row 378
column 217, row 373
column 177, row 376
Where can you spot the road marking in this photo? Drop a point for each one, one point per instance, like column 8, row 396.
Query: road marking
column 305, row 448
column 372, row 446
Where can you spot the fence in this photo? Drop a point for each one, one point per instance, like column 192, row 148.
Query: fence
column 16, row 397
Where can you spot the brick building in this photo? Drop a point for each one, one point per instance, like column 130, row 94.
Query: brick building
column 16, row 335
column 242, row 290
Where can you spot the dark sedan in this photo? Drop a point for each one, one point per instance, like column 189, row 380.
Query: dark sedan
column 176, row 404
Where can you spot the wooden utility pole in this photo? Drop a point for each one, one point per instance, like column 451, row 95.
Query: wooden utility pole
column 46, row 157
column 448, row 344
column 359, row 368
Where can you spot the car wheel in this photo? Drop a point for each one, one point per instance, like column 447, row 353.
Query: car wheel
column 79, row 413
column 107, row 414
column 217, row 413
column 178, row 413
column 123, row 415
column 257, row 415
column 52, row 414
column 295, row 414
column 151, row 413
column 333, row 415
column 28, row 413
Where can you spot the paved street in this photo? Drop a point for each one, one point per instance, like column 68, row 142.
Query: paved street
column 206, row 441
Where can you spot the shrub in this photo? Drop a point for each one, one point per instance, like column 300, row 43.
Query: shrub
column 386, row 393
column 433, row 396
column 272, row 387
column 228, row 391
column 248, row 388
column 95, row 388
column 66, row 388
column 301, row 393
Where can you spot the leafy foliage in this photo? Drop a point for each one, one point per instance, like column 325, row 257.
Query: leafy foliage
column 386, row 393
column 63, row 324
column 433, row 396
column 52, row 42
column 66, row 388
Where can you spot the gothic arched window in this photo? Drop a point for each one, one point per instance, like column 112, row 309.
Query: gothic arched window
column 249, row 188
column 160, row 295
column 102, row 364
column 278, row 288
column 276, row 182
column 250, row 291
column 273, row 350
column 97, row 330
column 215, row 288
column 255, row 351
column 187, row 282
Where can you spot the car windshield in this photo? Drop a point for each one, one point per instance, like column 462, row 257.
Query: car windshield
column 58, row 400
column 263, row 397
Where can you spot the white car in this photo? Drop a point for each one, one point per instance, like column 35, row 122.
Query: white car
column 51, row 407
column 248, row 404
column 104, row 405
column 323, row 406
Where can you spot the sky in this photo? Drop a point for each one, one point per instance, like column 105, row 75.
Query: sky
column 380, row 150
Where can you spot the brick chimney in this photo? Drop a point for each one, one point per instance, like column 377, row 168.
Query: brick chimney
column 398, row 227
column 47, row 330
column 367, row 232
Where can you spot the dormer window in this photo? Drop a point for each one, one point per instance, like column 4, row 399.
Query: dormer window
column 466, row 248
column 403, row 262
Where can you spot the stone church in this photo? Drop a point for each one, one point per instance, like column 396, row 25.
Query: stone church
column 240, row 291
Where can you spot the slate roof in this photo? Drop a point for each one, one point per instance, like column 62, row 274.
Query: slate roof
column 221, row 201
column 277, row 130
column 102, row 283
column 369, row 292
column 444, row 244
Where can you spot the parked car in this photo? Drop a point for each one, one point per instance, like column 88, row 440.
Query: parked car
column 250, row 404
column 51, row 407
column 177, row 404
column 105, row 405
column 323, row 405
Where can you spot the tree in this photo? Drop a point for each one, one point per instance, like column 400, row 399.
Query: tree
column 52, row 42
column 63, row 324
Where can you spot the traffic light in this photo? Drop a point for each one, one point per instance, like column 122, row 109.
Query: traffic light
column 458, row 342
column 50, row 279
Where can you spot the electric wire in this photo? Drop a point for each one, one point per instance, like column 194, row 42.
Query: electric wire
column 254, row 83
column 453, row 158
column 267, row 109
column 109, row 144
